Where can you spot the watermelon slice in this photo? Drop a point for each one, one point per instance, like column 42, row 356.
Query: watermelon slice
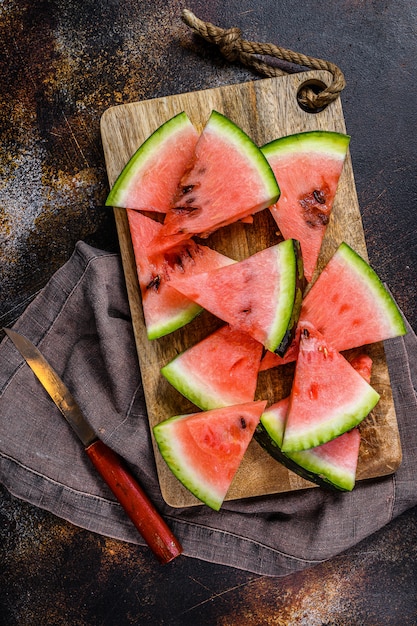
column 150, row 178
column 272, row 422
column 260, row 295
column 164, row 308
column 307, row 167
column 221, row 370
column 204, row 450
column 332, row 464
column 227, row 180
column 328, row 397
column 349, row 305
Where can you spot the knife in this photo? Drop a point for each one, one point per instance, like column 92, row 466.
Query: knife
column 110, row 466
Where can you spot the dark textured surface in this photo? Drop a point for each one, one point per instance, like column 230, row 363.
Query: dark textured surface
column 62, row 65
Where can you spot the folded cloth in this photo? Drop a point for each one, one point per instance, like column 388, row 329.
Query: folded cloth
column 81, row 323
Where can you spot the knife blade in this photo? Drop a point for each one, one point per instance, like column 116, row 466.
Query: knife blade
column 108, row 463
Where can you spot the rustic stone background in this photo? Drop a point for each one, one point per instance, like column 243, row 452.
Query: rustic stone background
column 63, row 63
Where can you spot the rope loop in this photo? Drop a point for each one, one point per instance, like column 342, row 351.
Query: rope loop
column 227, row 42
column 251, row 53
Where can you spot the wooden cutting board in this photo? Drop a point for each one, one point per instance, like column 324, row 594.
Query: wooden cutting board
column 265, row 109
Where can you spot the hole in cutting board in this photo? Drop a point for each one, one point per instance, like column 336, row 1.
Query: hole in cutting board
column 316, row 86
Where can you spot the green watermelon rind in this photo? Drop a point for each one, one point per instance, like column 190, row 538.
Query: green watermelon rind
column 192, row 387
column 297, row 462
column 381, row 296
column 140, row 159
column 284, row 317
column 170, row 325
column 274, row 427
column 316, row 141
column 249, row 150
column 347, row 418
column 320, row 469
column 269, row 434
column 170, row 449
column 297, row 283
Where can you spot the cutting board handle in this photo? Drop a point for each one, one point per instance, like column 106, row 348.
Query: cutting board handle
column 235, row 48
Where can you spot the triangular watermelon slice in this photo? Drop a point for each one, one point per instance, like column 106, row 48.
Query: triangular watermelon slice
column 260, row 296
column 228, row 179
column 349, row 305
column 149, row 180
column 332, row 464
column 204, row 450
column 328, row 396
column 221, row 370
column 307, row 167
column 164, row 308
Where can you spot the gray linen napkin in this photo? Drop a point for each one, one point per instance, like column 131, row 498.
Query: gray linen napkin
column 81, row 323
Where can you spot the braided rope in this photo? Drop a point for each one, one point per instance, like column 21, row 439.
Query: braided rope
column 234, row 48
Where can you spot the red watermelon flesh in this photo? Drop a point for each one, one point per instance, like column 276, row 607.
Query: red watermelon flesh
column 333, row 463
column 164, row 308
column 149, row 180
column 221, row 370
column 270, row 359
column 257, row 296
column 362, row 363
column 204, row 450
column 349, row 305
column 227, row 180
column 307, row 167
column 328, row 397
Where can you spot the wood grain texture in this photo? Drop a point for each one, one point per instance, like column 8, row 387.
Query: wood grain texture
column 265, row 109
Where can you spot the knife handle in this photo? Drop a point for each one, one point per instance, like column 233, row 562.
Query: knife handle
column 135, row 502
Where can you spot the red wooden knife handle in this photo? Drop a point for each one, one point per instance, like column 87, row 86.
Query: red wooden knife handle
column 135, row 502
